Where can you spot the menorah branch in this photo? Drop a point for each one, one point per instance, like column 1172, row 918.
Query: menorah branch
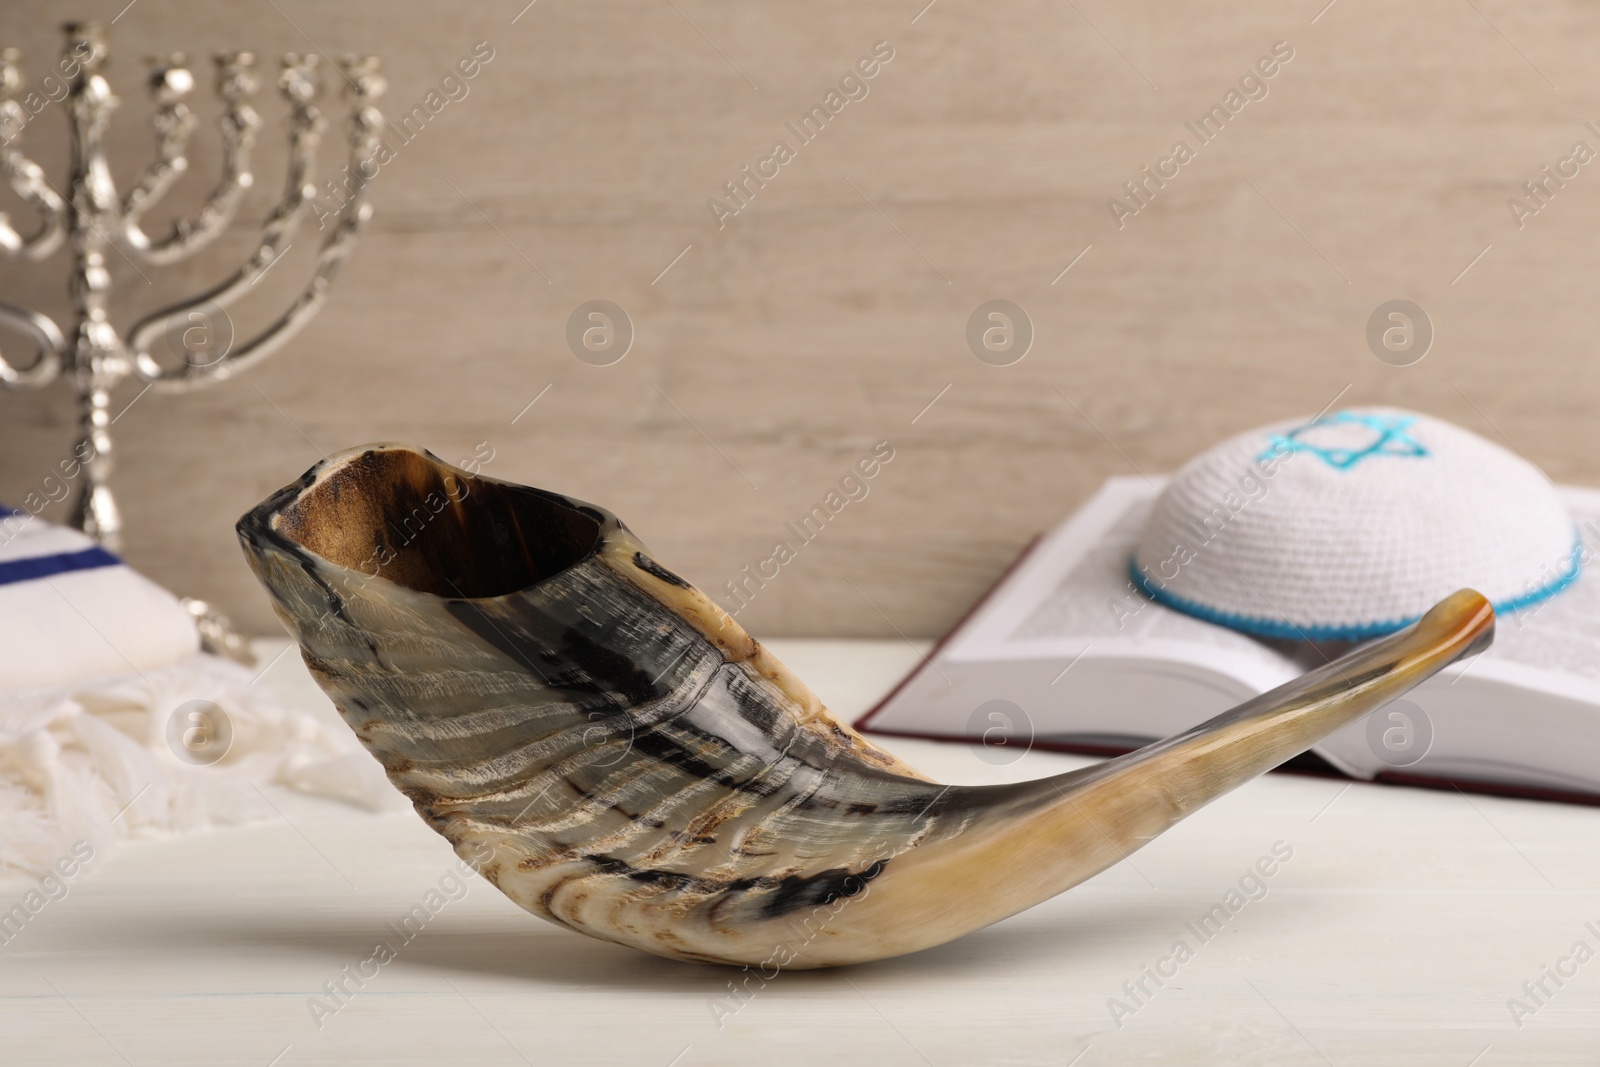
column 170, row 82
column 24, row 176
column 298, row 83
column 236, row 84
column 50, row 348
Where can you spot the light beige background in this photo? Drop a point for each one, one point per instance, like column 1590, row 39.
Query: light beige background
column 831, row 311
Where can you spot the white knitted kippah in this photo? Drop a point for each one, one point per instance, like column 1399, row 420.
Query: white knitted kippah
column 1352, row 525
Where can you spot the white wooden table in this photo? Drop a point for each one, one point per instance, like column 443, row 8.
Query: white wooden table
column 1395, row 934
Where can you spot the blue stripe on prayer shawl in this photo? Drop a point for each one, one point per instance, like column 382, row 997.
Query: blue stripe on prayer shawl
column 24, row 570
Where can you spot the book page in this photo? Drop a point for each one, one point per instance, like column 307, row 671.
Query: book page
column 1095, row 598
column 1074, row 593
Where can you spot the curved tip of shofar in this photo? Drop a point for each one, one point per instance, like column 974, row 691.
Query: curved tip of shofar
column 616, row 754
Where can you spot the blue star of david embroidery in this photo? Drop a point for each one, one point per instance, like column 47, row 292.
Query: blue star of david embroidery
column 1390, row 438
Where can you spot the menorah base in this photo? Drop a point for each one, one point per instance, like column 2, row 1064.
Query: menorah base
column 217, row 634
column 96, row 514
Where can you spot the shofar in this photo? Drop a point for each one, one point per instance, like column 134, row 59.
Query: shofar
column 616, row 754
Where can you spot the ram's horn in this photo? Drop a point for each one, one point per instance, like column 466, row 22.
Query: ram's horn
column 617, row 755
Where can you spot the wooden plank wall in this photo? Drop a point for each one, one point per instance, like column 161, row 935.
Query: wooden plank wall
column 831, row 310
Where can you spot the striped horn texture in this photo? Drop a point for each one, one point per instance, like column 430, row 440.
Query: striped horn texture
column 612, row 750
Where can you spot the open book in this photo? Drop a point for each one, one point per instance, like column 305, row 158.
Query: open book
column 1064, row 653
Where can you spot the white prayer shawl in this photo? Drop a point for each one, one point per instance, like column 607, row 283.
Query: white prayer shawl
column 96, row 663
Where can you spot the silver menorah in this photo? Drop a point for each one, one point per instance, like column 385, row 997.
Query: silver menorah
column 92, row 219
